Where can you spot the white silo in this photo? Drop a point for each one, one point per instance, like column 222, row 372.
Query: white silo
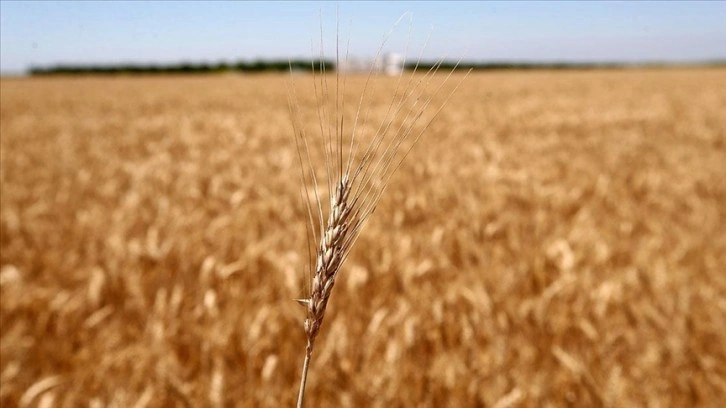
column 393, row 64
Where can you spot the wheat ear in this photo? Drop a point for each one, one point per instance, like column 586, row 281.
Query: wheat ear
column 355, row 183
column 329, row 260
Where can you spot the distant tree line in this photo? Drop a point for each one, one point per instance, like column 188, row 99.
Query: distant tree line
column 465, row 65
column 184, row 68
column 449, row 65
column 308, row 65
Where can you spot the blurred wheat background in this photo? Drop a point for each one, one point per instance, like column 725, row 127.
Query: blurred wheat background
column 555, row 239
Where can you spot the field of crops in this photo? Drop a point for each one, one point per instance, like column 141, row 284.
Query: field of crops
column 556, row 238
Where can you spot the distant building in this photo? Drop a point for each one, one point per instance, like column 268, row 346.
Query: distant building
column 390, row 64
column 393, row 64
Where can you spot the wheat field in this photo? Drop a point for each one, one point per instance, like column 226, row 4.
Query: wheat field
column 555, row 239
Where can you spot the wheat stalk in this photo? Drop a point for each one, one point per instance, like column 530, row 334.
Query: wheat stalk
column 355, row 184
column 330, row 258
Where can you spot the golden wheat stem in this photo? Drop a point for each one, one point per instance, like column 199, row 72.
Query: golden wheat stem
column 304, row 377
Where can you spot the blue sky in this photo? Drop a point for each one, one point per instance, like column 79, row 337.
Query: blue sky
column 95, row 32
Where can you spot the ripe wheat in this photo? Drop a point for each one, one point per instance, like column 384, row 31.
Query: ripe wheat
column 355, row 179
